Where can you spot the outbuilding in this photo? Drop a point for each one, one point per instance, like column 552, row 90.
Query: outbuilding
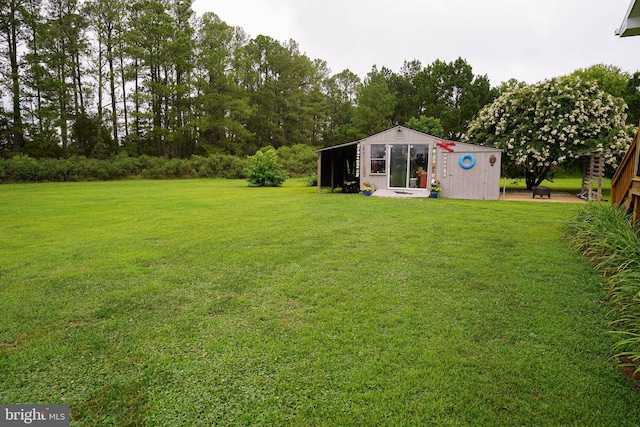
column 402, row 160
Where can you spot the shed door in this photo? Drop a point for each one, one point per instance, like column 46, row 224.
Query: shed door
column 399, row 168
column 407, row 163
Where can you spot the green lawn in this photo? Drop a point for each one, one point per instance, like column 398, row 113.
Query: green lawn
column 205, row 302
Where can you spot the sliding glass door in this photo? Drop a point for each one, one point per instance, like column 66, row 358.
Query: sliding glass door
column 407, row 163
column 399, row 167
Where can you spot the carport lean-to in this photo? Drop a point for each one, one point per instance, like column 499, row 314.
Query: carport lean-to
column 339, row 167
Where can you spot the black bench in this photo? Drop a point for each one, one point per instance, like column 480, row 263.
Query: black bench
column 541, row 191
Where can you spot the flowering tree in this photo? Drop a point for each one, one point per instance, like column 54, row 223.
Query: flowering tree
column 544, row 125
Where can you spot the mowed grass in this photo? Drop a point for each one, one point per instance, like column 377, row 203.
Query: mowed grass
column 205, row 302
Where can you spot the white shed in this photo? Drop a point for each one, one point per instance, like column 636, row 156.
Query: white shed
column 401, row 159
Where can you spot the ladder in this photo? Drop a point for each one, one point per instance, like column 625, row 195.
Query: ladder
column 594, row 175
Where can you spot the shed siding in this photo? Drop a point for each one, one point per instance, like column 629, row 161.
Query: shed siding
column 481, row 182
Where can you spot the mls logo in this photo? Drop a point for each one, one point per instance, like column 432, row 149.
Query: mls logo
column 34, row 415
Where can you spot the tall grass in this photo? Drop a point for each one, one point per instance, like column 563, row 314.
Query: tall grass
column 611, row 240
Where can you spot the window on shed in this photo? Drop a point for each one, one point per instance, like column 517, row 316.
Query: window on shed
column 378, row 158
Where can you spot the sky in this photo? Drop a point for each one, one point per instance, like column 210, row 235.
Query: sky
column 529, row 40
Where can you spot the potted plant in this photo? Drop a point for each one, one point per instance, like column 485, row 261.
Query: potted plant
column 435, row 189
column 367, row 189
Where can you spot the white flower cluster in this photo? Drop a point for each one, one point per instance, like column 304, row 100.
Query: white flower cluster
column 556, row 120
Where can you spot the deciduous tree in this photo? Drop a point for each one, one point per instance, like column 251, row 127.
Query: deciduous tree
column 547, row 124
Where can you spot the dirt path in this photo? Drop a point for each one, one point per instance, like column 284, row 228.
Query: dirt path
column 525, row 196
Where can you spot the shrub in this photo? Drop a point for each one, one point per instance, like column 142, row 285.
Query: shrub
column 176, row 168
column 59, row 170
column 298, row 160
column 94, row 169
column 219, row 166
column 229, row 167
column 264, row 170
column 152, row 167
column 23, row 168
column 126, row 166
column 201, row 166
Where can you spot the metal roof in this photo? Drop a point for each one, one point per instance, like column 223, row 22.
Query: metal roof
column 467, row 146
column 336, row 146
column 631, row 23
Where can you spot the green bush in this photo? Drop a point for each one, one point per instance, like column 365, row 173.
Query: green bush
column 229, row 167
column 95, row 169
column 611, row 240
column 201, row 166
column 264, row 169
column 126, row 166
column 177, row 168
column 59, row 170
column 23, row 168
column 298, row 160
column 218, row 166
column 152, row 167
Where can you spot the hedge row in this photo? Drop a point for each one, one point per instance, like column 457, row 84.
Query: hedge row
column 26, row 169
column 296, row 160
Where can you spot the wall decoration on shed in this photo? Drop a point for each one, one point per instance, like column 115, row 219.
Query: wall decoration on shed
column 467, row 161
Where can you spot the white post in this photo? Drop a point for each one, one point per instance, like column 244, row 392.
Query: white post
column 504, row 191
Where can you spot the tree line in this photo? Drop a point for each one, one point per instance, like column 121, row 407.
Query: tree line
column 150, row 77
column 97, row 78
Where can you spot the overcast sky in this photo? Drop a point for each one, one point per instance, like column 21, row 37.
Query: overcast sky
column 530, row 40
